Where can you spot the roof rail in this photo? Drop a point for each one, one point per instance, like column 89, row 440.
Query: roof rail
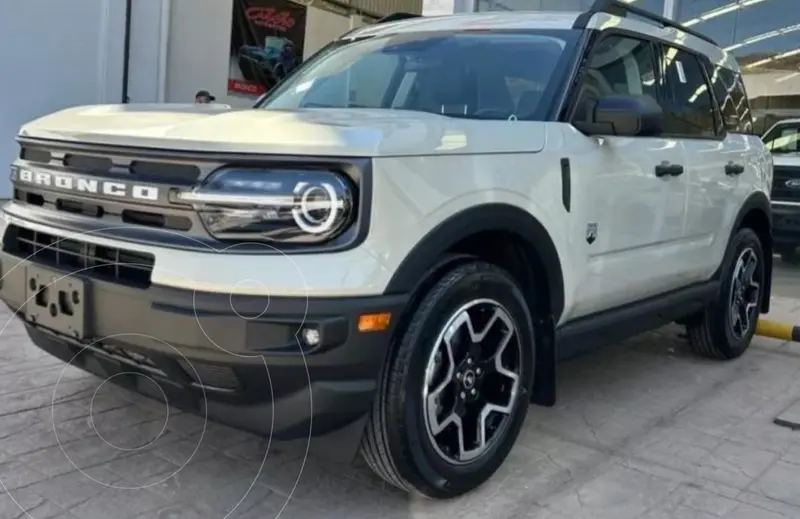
column 622, row 10
column 396, row 17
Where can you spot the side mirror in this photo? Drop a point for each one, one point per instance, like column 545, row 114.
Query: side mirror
column 628, row 115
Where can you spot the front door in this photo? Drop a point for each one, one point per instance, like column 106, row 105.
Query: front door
column 634, row 212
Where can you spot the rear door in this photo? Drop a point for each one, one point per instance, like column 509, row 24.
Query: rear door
column 692, row 118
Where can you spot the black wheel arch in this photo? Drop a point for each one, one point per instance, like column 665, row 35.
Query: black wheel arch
column 428, row 253
column 756, row 213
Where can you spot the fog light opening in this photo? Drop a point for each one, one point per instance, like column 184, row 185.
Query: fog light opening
column 310, row 336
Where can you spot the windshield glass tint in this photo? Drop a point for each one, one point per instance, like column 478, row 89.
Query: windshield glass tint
column 783, row 139
column 480, row 75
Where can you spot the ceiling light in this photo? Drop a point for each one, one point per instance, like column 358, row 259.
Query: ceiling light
column 719, row 11
column 787, row 77
column 758, row 63
column 764, row 36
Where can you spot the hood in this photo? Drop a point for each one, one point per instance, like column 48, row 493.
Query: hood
column 333, row 132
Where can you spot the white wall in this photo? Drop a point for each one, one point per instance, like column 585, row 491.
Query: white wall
column 145, row 51
column 444, row 7
column 199, row 46
column 769, row 83
column 322, row 27
column 56, row 54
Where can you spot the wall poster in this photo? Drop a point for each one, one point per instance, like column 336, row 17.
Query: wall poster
column 267, row 39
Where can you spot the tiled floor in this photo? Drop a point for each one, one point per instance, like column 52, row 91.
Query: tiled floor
column 642, row 430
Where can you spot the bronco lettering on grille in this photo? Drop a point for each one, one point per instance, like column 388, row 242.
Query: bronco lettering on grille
column 85, row 185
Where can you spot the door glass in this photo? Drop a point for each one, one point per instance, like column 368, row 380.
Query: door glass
column 689, row 107
column 619, row 65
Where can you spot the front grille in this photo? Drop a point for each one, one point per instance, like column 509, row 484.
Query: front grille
column 165, row 171
column 782, row 192
column 100, row 209
column 75, row 256
column 110, row 165
column 211, row 376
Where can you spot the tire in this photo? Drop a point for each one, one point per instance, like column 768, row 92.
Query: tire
column 398, row 443
column 715, row 333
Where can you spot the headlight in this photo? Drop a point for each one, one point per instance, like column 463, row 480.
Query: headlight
column 277, row 205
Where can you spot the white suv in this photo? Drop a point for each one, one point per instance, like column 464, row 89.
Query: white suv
column 396, row 245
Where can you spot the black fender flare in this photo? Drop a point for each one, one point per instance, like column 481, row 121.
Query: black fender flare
column 485, row 217
column 759, row 202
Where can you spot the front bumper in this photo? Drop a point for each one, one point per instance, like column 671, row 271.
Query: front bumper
column 786, row 225
column 211, row 353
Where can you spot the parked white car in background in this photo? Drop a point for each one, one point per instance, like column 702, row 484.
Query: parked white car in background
column 783, row 141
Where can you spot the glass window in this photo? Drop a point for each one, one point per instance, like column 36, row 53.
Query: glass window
column 732, row 98
column 473, row 75
column 783, row 138
column 619, row 65
column 688, row 105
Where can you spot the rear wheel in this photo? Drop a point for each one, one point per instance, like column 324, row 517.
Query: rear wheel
column 724, row 330
column 455, row 390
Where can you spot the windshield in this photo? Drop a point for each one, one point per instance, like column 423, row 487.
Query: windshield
column 783, row 139
column 480, row 75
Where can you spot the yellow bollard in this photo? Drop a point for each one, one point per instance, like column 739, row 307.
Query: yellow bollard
column 776, row 330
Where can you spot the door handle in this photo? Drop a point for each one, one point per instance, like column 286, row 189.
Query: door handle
column 733, row 169
column 666, row 169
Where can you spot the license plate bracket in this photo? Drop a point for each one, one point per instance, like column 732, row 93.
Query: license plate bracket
column 55, row 301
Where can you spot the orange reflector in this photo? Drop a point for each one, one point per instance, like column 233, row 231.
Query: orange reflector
column 374, row 322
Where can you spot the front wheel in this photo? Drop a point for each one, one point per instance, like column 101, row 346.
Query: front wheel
column 455, row 390
column 725, row 329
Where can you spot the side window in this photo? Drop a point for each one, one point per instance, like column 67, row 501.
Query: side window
column 732, row 98
column 619, row 65
column 688, row 105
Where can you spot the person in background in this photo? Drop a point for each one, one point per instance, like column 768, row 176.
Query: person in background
column 203, row 97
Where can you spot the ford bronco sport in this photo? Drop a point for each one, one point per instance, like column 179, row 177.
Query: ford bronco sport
column 408, row 232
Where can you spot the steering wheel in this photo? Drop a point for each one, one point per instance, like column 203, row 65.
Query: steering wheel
column 492, row 113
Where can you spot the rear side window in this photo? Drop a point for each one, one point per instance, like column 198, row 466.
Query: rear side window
column 732, row 98
column 688, row 104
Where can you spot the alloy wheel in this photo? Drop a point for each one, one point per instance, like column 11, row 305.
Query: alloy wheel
column 744, row 294
column 472, row 380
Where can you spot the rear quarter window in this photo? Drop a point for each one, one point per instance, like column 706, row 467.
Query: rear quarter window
column 731, row 95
